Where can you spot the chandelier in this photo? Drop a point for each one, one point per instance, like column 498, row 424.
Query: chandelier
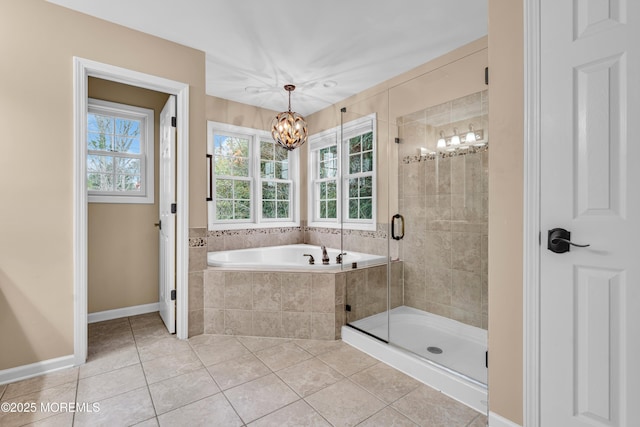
column 289, row 128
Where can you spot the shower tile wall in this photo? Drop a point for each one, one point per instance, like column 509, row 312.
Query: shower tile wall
column 444, row 201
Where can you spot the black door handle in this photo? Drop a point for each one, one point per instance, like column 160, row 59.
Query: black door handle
column 559, row 241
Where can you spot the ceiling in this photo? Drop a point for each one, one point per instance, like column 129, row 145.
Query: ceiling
column 330, row 49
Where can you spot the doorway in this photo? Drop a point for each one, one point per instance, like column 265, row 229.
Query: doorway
column 83, row 69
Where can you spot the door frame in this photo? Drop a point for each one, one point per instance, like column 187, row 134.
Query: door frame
column 82, row 70
column 531, row 220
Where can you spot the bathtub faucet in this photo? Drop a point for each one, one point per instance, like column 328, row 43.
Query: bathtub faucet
column 311, row 260
column 339, row 258
column 325, row 255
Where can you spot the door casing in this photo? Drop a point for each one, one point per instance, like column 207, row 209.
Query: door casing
column 82, row 70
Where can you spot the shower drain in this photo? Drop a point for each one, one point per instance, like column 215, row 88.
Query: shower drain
column 434, row 350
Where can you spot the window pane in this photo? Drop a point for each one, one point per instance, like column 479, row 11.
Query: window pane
column 367, row 141
column 268, row 191
column 332, row 209
column 231, row 146
column 267, row 169
column 266, row 150
column 127, row 127
column 353, row 208
column 365, row 209
column 366, row 187
column 99, row 141
column 268, row 209
column 367, row 161
column 331, row 190
column 282, row 154
column 224, row 166
column 354, row 163
column 283, row 209
column 100, row 182
column 354, row 145
column 242, row 190
column 128, row 183
column 283, row 191
column 323, row 190
column 128, row 165
column 242, row 209
column 224, row 189
column 353, row 187
column 282, row 170
column 99, row 164
column 240, row 166
column 127, row 145
column 323, row 209
column 99, row 123
column 224, row 209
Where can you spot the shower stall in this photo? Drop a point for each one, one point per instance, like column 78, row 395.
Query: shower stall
column 422, row 183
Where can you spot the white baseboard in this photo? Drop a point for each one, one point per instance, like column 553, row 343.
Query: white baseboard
column 123, row 312
column 27, row 371
column 496, row 420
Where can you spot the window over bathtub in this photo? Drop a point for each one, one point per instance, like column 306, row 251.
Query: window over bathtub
column 342, row 183
column 253, row 180
column 120, row 152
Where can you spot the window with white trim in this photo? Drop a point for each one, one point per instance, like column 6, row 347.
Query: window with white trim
column 252, row 179
column 119, row 153
column 350, row 200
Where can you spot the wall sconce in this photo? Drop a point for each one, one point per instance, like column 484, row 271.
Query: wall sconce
column 471, row 135
column 442, row 142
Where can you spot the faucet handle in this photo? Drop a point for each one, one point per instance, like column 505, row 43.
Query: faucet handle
column 339, row 258
column 311, row 260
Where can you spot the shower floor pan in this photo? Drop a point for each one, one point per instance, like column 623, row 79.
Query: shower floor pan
column 458, row 371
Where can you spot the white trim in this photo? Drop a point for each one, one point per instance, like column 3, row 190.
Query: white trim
column 34, row 369
column 82, row 69
column 496, row 420
column 117, row 313
column 531, row 220
column 146, row 156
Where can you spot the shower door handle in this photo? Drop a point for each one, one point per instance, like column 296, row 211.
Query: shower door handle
column 393, row 227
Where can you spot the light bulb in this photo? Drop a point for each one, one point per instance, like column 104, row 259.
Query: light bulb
column 471, row 136
column 455, row 139
column 441, row 142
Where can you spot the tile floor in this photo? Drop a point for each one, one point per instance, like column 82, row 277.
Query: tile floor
column 137, row 374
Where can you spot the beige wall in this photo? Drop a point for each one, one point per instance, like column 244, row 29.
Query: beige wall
column 37, row 43
column 505, row 207
column 123, row 242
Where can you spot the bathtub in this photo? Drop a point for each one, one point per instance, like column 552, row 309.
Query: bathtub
column 289, row 257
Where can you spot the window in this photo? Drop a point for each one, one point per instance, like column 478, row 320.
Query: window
column 352, row 199
column 252, row 179
column 119, row 153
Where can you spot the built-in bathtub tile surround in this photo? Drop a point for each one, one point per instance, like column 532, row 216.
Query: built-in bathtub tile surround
column 197, row 265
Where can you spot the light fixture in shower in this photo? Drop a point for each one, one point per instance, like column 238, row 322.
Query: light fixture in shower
column 470, row 138
column 442, row 142
column 456, row 141
column 289, row 129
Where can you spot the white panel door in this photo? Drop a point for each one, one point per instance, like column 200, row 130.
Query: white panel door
column 590, row 186
column 167, row 230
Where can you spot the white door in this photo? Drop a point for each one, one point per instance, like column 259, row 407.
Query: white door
column 590, row 186
column 167, row 218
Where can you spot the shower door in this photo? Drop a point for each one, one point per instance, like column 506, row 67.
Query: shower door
column 439, row 261
column 363, row 149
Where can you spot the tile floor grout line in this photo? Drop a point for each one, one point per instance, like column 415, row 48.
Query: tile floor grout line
column 144, row 374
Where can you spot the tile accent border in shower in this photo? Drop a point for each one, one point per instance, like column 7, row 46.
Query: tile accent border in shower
column 445, row 155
